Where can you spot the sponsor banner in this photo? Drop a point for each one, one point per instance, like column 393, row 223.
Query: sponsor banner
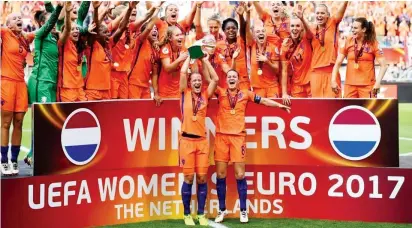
column 74, row 137
column 144, row 194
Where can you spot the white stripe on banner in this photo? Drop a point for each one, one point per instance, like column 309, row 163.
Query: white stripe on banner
column 81, row 136
column 353, row 132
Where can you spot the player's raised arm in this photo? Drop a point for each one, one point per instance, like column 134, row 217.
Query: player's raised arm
column 67, row 23
column 48, row 26
column 149, row 15
column 83, row 11
column 183, row 75
column 240, row 10
column 214, row 79
column 341, row 11
column 300, row 14
column 249, row 35
column 125, row 21
column 260, row 11
column 189, row 18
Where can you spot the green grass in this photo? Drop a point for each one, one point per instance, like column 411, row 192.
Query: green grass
column 262, row 223
column 405, row 130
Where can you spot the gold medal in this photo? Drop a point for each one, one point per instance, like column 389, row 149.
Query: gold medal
column 194, row 118
column 233, row 112
column 116, row 64
column 79, row 68
column 260, row 72
column 356, row 66
column 126, row 46
column 323, row 48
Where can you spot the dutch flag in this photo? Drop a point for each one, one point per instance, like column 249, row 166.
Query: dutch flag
column 354, row 133
column 81, row 136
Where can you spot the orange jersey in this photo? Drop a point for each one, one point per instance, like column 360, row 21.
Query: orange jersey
column 188, row 103
column 269, row 77
column 70, row 65
column 365, row 74
column 13, row 53
column 146, row 60
column 100, row 64
column 275, row 31
column 169, row 82
column 227, row 51
column 124, row 50
column 298, row 61
column 226, row 122
column 326, row 55
column 162, row 27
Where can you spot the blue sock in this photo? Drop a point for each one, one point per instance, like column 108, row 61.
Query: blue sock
column 242, row 190
column 15, row 150
column 201, row 198
column 221, row 192
column 4, row 156
column 186, row 196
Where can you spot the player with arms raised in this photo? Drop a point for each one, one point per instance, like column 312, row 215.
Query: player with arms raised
column 325, row 51
column 193, row 145
column 296, row 54
column 230, row 141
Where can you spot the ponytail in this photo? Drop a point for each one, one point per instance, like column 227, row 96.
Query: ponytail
column 370, row 34
column 168, row 36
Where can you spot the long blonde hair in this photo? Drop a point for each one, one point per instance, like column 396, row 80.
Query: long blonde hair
column 169, row 34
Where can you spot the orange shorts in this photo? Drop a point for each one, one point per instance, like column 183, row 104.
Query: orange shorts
column 352, row 91
column 95, row 95
column 194, row 155
column 138, row 92
column 119, row 85
column 301, row 91
column 14, row 97
column 230, row 148
column 72, row 95
column 321, row 83
column 272, row 92
column 244, row 85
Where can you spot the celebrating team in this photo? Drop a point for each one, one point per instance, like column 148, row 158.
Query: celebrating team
column 281, row 56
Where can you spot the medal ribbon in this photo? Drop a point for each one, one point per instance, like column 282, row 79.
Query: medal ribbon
column 231, row 48
column 232, row 100
column 360, row 52
column 320, row 35
column 276, row 30
column 127, row 35
column 295, row 46
column 258, row 52
column 108, row 53
column 24, row 43
column 196, row 104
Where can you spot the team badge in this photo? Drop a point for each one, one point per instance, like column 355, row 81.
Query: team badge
column 165, row 51
column 43, row 99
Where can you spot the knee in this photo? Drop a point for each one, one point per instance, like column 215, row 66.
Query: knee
column 240, row 175
column 6, row 123
column 221, row 174
column 189, row 178
column 201, row 179
column 17, row 123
